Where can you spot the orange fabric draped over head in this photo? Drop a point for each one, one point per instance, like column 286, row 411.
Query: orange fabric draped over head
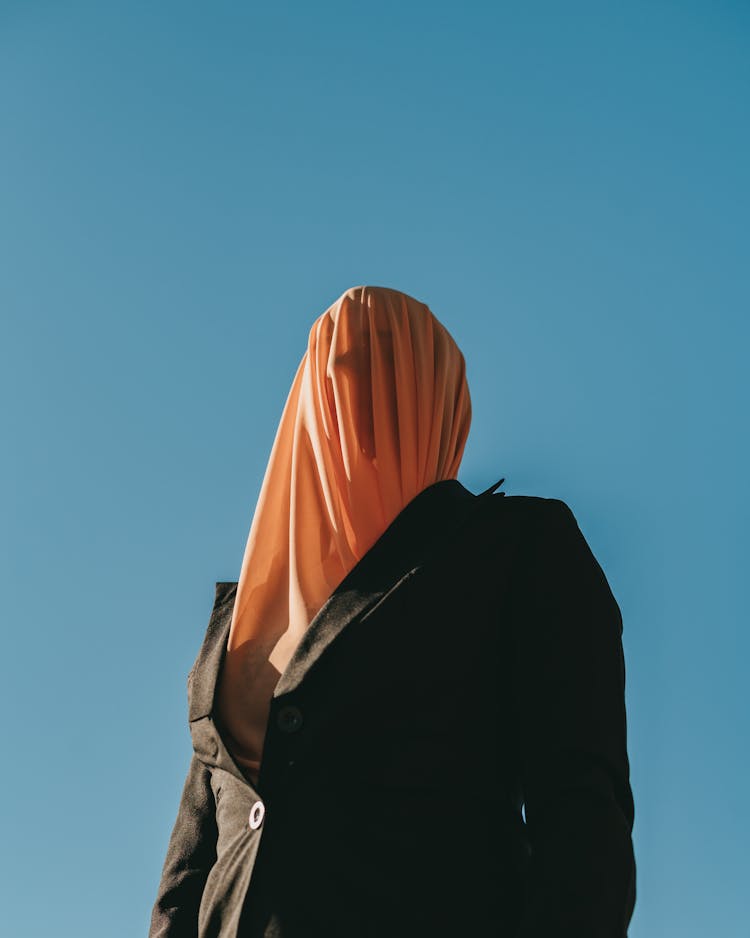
column 379, row 409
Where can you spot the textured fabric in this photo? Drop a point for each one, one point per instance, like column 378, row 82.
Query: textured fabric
column 190, row 855
column 393, row 800
column 379, row 409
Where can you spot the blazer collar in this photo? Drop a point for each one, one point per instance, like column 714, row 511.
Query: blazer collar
column 404, row 547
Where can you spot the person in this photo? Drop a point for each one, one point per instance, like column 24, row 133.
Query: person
column 407, row 714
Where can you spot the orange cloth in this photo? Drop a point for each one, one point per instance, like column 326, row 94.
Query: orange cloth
column 379, row 409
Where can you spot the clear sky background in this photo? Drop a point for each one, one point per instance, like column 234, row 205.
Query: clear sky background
column 184, row 188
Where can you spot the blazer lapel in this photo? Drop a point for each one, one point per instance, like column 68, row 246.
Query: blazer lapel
column 406, row 545
column 399, row 552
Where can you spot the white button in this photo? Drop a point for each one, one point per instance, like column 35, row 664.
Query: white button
column 256, row 814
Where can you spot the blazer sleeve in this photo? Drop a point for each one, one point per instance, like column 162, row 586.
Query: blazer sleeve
column 191, row 853
column 569, row 695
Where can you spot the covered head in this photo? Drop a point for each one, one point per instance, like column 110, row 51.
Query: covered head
column 379, row 409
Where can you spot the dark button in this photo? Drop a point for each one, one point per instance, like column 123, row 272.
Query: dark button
column 289, row 718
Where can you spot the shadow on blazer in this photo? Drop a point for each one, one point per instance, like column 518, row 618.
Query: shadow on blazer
column 469, row 664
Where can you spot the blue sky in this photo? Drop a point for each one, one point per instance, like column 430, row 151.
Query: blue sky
column 184, row 188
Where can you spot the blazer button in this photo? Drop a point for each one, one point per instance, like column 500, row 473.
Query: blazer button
column 256, row 815
column 289, row 718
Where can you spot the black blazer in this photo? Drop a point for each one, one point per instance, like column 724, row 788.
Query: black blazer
column 469, row 664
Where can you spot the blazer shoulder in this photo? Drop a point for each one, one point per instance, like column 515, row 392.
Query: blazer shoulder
column 515, row 519
column 531, row 501
column 532, row 507
column 556, row 542
column 533, row 518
